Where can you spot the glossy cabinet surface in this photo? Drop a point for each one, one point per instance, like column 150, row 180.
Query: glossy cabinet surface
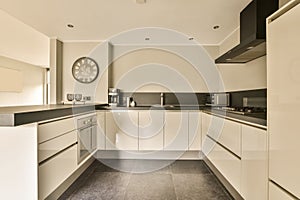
column 101, row 130
column 194, row 132
column 151, row 135
column 55, row 171
column 122, row 130
column 53, row 146
column 228, row 164
column 276, row 193
column 283, row 71
column 254, row 183
column 53, row 129
column 176, row 131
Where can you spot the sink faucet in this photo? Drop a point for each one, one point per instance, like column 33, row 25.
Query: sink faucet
column 161, row 98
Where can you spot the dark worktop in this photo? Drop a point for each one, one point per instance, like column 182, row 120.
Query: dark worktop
column 19, row 115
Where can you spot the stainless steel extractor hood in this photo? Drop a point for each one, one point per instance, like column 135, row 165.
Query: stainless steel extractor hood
column 252, row 32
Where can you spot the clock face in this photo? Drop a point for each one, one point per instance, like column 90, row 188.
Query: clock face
column 85, row 70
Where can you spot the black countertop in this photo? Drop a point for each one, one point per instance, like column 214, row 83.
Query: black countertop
column 19, row 115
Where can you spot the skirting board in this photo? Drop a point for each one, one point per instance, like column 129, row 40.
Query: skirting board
column 150, row 155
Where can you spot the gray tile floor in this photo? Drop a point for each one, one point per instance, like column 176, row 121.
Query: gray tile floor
column 137, row 180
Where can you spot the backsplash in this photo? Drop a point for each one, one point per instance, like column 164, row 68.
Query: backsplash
column 255, row 98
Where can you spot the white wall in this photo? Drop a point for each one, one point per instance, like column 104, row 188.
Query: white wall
column 162, row 71
column 33, row 79
column 251, row 75
column 21, row 42
column 74, row 50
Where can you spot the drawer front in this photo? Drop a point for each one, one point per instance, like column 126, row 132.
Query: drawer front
column 227, row 133
column 55, row 171
column 53, row 146
column 276, row 193
column 53, row 129
column 228, row 164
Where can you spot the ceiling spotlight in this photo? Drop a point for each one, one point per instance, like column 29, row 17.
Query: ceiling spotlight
column 70, row 25
column 140, row 1
column 216, row 27
column 147, row 38
column 191, row 38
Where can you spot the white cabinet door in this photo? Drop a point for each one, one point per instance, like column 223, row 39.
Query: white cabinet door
column 254, row 163
column 176, row 130
column 101, row 130
column 228, row 164
column 151, row 136
column 283, row 99
column 195, row 125
column 122, row 130
column 276, row 193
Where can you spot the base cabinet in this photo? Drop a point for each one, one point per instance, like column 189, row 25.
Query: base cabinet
column 151, row 135
column 176, row 131
column 194, row 132
column 122, row 130
column 276, row 193
column 101, row 130
column 228, row 164
column 55, row 171
column 254, row 164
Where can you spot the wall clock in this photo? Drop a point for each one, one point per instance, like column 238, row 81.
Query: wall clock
column 85, row 70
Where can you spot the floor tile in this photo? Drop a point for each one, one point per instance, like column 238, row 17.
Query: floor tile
column 105, row 185
column 108, row 165
column 198, row 187
column 190, row 167
column 150, row 187
column 152, row 166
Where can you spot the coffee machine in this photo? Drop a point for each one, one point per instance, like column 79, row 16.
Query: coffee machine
column 113, row 96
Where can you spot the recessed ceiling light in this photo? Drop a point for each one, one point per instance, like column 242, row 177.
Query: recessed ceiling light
column 216, row 27
column 70, row 25
column 147, row 38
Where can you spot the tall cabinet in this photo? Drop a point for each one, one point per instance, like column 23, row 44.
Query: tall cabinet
column 283, row 69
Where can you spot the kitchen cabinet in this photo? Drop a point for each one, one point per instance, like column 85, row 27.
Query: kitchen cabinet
column 194, row 130
column 227, row 163
column 151, row 135
column 276, row 193
column 101, row 130
column 56, row 170
column 121, row 130
column 283, row 61
column 176, row 130
column 225, row 132
column 254, row 183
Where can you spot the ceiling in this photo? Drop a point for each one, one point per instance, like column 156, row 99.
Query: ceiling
column 101, row 19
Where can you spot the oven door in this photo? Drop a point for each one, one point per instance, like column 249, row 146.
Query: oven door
column 84, row 143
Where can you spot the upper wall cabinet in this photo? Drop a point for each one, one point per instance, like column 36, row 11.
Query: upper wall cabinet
column 21, row 42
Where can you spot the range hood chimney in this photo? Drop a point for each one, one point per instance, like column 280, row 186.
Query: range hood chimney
column 252, row 32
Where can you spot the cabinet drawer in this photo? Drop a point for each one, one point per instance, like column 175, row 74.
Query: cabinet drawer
column 227, row 133
column 276, row 193
column 228, row 164
column 53, row 146
column 55, row 171
column 53, row 129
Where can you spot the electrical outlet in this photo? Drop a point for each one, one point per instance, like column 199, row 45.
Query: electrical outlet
column 87, row 98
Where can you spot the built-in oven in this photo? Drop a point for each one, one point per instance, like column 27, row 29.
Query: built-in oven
column 87, row 136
